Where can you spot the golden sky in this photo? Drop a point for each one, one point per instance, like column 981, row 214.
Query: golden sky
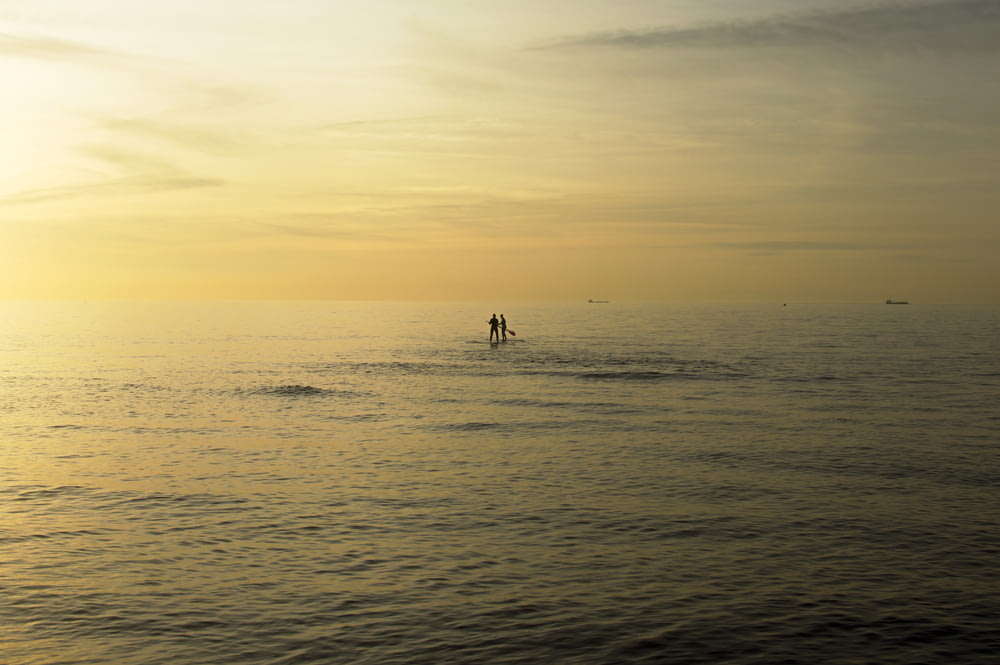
column 680, row 150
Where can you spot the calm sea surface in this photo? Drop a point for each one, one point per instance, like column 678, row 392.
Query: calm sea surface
column 261, row 483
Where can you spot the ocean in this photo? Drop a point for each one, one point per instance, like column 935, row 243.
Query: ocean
column 375, row 483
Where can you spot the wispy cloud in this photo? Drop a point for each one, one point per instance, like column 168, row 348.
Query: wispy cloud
column 138, row 174
column 162, row 114
column 197, row 90
column 51, row 48
column 113, row 187
column 960, row 26
column 801, row 246
column 184, row 135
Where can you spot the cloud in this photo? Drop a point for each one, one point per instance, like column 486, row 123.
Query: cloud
column 188, row 136
column 139, row 174
column 319, row 226
column 51, row 48
column 801, row 246
column 956, row 26
column 114, row 187
column 188, row 84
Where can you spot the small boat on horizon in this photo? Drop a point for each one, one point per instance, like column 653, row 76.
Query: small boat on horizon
column 896, row 302
column 596, row 301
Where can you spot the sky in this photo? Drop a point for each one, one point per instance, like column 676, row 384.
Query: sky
column 635, row 150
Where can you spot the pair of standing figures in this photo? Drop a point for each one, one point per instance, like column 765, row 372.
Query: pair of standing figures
column 498, row 328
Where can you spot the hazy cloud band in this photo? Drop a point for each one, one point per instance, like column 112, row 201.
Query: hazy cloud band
column 954, row 26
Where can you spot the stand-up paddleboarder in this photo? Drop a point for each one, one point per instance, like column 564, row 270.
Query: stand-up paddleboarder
column 494, row 328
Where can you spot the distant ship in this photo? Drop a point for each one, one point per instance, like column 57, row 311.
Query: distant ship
column 896, row 302
column 597, row 301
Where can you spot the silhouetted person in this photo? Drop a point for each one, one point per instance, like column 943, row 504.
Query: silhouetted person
column 494, row 328
column 503, row 327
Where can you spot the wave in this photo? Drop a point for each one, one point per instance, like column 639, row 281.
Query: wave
column 473, row 426
column 392, row 367
column 38, row 492
column 294, row 390
column 634, row 375
column 629, row 368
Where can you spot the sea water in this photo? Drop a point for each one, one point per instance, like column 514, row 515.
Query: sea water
column 325, row 482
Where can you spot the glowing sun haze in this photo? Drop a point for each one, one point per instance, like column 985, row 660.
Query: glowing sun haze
column 780, row 150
